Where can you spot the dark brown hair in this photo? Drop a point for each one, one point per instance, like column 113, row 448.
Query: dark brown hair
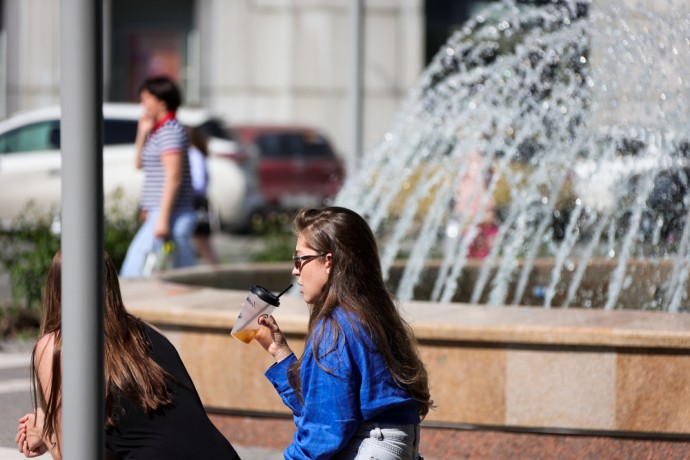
column 164, row 89
column 355, row 284
column 199, row 139
column 129, row 370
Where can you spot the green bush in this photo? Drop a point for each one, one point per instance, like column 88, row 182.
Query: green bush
column 279, row 241
column 121, row 223
column 28, row 246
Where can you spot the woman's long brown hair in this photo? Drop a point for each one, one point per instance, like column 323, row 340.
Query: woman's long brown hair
column 356, row 285
column 129, row 370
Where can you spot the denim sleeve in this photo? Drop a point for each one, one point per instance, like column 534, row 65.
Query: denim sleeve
column 331, row 412
column 278, row 376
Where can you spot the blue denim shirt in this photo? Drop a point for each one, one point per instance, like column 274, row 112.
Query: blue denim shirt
column 358, row 389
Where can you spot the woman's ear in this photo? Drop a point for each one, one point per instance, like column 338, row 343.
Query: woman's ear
column 328, row 262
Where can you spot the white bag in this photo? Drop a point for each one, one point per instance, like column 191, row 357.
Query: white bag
column 160, row 259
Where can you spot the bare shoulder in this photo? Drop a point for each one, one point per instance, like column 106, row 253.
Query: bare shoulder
column 44, row 349
column 43, row 361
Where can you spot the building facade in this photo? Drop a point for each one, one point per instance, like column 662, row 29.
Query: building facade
column 274, row 61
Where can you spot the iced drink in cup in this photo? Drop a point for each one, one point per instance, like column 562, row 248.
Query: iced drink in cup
column 259, row 302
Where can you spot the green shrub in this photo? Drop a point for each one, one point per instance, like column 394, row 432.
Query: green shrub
column 121, row 224
column 28, row 246
column 279, row 241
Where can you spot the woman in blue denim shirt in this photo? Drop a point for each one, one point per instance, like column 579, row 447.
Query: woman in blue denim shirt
column 360, row 389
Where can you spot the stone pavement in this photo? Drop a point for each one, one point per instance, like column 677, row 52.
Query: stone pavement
column 7, row 453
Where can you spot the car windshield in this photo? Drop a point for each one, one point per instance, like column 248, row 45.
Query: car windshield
column 283, row 145
column 118, row 132
column 44, row 135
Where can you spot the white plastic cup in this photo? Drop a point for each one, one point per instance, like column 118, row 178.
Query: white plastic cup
column 259, row 302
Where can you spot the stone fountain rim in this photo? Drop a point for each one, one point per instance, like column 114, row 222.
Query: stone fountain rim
column 165, row 300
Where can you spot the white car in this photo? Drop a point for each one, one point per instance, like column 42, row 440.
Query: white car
column 608, row 177
column 30, row 163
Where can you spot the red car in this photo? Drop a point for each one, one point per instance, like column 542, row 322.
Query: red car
column 297, row 166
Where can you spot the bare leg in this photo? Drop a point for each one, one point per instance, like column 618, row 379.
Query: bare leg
column 205, row 250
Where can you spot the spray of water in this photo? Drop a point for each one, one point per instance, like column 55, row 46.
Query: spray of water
column 554, row 133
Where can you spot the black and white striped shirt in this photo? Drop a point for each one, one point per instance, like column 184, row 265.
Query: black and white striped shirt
column 171, row 136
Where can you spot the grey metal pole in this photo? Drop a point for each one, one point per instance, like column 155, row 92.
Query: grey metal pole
column 81, row 100
column 356, row 83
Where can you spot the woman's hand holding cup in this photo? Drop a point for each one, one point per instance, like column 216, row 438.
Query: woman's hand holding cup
column 272, row 339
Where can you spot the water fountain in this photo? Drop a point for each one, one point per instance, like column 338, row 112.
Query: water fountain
column 561, row 122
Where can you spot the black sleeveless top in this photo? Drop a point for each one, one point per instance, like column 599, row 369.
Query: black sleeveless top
column 180, row 431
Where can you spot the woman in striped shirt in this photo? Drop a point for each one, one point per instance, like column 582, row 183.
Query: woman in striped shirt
column 167, row 199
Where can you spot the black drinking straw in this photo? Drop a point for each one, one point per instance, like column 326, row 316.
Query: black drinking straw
column 284, row 291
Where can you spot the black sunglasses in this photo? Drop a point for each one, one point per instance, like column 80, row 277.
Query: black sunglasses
column 299, row 260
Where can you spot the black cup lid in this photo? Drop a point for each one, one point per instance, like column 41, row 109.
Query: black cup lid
column 265, row 295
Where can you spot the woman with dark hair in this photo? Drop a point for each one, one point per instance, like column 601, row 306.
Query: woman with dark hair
column 360, row 389
column 167, row 198
column 152, row 409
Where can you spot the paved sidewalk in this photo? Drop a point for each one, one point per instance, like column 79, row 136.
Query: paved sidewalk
column 10, row 454
column 14, row 395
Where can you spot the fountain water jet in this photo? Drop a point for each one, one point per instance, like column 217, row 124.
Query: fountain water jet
column 577, row 114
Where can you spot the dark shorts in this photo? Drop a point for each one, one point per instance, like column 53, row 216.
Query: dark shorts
column 203, row 225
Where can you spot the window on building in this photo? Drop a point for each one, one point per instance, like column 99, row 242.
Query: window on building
column 149, row 37
column 444, row 17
